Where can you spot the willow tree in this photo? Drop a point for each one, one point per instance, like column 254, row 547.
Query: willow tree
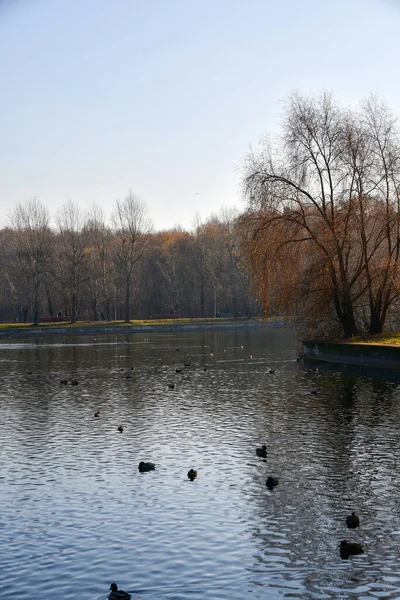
column 32, row 244
column 323, row 211
column 131, row 227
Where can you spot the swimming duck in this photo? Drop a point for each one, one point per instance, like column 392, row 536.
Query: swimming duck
column 74, row 382
column 97, row 413
column 192, row 474
column 271, row 371
column 272, row 482
column 352, row 521
column 171, row 386
column 64, row 381
column 262, row 451
column 146, row 466
column 117, row 594
column 350, row 548
column 121, row 428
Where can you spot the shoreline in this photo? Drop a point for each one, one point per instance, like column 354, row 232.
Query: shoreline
column 104, row 329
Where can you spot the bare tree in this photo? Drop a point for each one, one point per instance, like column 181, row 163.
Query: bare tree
column 132, row 227
column 331, row 191
column 73, row 242
column 33, row 239
column 100, row 283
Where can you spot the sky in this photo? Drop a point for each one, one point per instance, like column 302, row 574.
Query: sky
column 166, row 97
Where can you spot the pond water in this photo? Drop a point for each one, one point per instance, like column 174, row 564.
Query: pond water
column 76, row 514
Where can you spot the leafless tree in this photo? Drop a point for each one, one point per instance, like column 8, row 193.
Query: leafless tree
column 132, row 227
column 329, row 189
column 100, row 283
column 73, row 240
column 33, row 243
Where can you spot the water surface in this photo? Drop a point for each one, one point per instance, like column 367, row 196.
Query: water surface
column 76, row 513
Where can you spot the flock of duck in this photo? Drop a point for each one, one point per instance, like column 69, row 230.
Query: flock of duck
column 346, row 548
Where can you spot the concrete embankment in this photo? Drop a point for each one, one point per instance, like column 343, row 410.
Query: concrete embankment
column 33, row 332
column 373, row 356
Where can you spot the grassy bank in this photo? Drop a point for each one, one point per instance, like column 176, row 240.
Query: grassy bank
column 133, row 323
column 124, row 323
column 385, row 339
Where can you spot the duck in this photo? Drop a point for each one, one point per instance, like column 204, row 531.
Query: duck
column 262, row 451
column 74, row 382
column 271, row 371
column 350, row 548
column 352, row 521
column 178, row 370
column 192, row 474
column 117, row 594
column 64, row 381
column 171, row 386
column 272, row 482
column 146, row 466
column 97, row 413
column 121, row 428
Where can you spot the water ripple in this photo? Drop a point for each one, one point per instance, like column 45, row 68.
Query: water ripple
column 77, row 514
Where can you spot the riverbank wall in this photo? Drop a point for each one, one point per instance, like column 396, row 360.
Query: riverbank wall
column 37, row 332
column 373, row 356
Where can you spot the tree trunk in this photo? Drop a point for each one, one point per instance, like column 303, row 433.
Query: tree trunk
column 202, row 299
column 36, row 301
column 345, row 313
column 127, row 298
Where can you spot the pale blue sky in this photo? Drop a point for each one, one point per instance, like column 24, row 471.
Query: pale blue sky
column 165, row 97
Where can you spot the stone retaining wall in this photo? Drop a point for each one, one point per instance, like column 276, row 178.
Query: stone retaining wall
column 366, row 355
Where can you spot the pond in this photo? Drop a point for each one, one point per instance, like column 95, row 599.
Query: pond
column 76, row 513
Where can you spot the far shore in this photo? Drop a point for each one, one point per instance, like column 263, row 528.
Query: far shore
column 8, row 330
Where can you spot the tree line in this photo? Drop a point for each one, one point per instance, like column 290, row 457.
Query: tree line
column 90, row 267
column 319, row 239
